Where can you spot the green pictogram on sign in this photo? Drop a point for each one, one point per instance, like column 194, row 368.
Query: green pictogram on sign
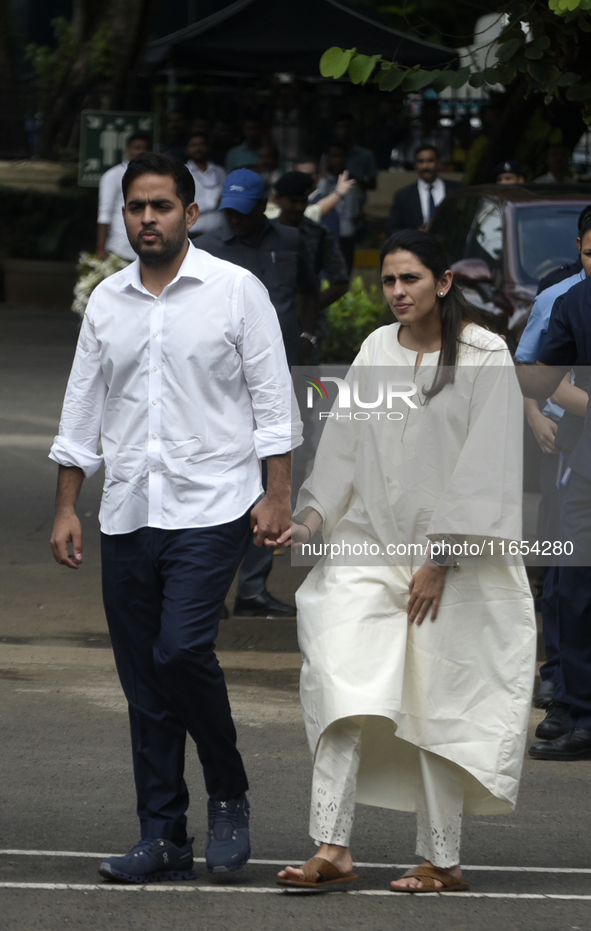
column 103, row 139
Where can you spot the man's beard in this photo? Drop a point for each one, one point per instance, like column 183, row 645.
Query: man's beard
column 169, row 249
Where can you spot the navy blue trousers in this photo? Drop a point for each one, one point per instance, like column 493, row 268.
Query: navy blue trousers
column 549, row 529
column 574, row 600
column 163, row 592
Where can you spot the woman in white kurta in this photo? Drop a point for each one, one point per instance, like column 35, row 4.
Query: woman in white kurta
column 427, row 717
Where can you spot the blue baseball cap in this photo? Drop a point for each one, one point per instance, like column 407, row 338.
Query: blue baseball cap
column 242, row 189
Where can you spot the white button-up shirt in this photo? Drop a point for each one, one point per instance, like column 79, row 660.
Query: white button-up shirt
column 208, row 190
column 438, row 194
column 110, row 206
column 187, row 392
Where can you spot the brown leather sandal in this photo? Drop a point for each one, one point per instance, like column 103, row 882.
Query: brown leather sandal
column 319, row 873
column 427, row 875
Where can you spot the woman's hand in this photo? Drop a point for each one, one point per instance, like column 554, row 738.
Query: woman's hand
column 295, row 536
column 299, row 532
column 425, row 590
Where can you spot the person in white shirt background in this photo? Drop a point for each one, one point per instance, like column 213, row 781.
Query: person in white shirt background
column 110, row 231
column 209, row 181
column 180, row 372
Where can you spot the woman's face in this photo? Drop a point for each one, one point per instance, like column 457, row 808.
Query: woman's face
column 410, row 288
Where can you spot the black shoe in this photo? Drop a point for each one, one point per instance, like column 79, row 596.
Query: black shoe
column 575, row 745
column 556, row 723
column 544, row 695
column 263, row 605
column 228, row 838
column 151, row 860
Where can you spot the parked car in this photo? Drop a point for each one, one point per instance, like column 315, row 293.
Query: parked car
column 502, row 239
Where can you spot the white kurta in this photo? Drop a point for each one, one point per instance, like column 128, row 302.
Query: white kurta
column 460, row 686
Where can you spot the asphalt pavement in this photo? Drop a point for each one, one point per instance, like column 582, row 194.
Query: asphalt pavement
column 66, row 789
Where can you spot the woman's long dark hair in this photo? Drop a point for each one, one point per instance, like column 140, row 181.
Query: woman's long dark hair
column 455, row 309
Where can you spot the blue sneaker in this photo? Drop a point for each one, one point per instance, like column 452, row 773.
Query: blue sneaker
column 151, row 861
column 228, row 839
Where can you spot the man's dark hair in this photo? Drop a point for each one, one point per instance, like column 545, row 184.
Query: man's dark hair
column 583, row 216
column 135, row 137
column 423, row 147
column 153, row 163
column 294, row 184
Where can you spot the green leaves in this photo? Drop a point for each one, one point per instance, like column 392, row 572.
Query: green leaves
column 417, row 80
column 361, row 67
column 508, row 49
column 335, row 62
column 392, row 77
column 537, row 48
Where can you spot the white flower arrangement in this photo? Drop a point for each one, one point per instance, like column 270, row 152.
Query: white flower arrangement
column 91, row 271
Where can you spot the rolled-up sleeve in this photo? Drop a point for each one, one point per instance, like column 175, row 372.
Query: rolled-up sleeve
column 278, row 427
column 80, row 424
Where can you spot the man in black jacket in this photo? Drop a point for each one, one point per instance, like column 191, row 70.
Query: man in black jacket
column 413, row 206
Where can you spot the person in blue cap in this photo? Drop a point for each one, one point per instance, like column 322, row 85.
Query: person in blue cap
column 278, row 256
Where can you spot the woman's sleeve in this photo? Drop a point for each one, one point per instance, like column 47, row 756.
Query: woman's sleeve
column 482, row 500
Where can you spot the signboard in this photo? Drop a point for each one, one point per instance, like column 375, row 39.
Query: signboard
column 103, row 140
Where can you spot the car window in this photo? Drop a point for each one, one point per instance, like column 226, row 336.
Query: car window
column 545, row 239
column 485, row 239
column 451, row 224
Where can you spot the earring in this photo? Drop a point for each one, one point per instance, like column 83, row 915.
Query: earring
column 442, row 294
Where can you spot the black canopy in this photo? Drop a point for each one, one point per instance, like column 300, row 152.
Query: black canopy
column 267, row 36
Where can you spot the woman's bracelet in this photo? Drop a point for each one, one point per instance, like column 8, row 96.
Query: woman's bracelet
column 302, row 524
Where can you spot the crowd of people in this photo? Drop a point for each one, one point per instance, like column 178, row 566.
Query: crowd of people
column 182, row 371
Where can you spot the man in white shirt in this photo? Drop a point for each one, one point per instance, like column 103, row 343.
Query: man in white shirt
column 413, row 206
column 181, row 374
column 110, row 230
column 209, row 181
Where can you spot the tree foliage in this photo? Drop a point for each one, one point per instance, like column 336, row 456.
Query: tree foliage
column 545, row 43
column 93, row 63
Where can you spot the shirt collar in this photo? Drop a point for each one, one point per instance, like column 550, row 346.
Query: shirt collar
column 194, row 266
column 423, row 184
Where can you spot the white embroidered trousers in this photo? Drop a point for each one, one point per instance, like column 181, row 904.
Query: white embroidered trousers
column 439, row 795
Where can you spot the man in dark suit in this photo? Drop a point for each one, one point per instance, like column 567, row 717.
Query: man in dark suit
column 413, row 206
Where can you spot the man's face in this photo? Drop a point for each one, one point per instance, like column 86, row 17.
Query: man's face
column 335, row 161
column 426, row 165
column 292, row 207
column 309, row 168
column 197, row 149
column 136, row 148
column 584, row 247
column 155, row 219
column 246, row 225
column 509, row 177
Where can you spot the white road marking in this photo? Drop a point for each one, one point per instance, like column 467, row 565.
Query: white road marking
column 295, row 860
column 160, row 887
